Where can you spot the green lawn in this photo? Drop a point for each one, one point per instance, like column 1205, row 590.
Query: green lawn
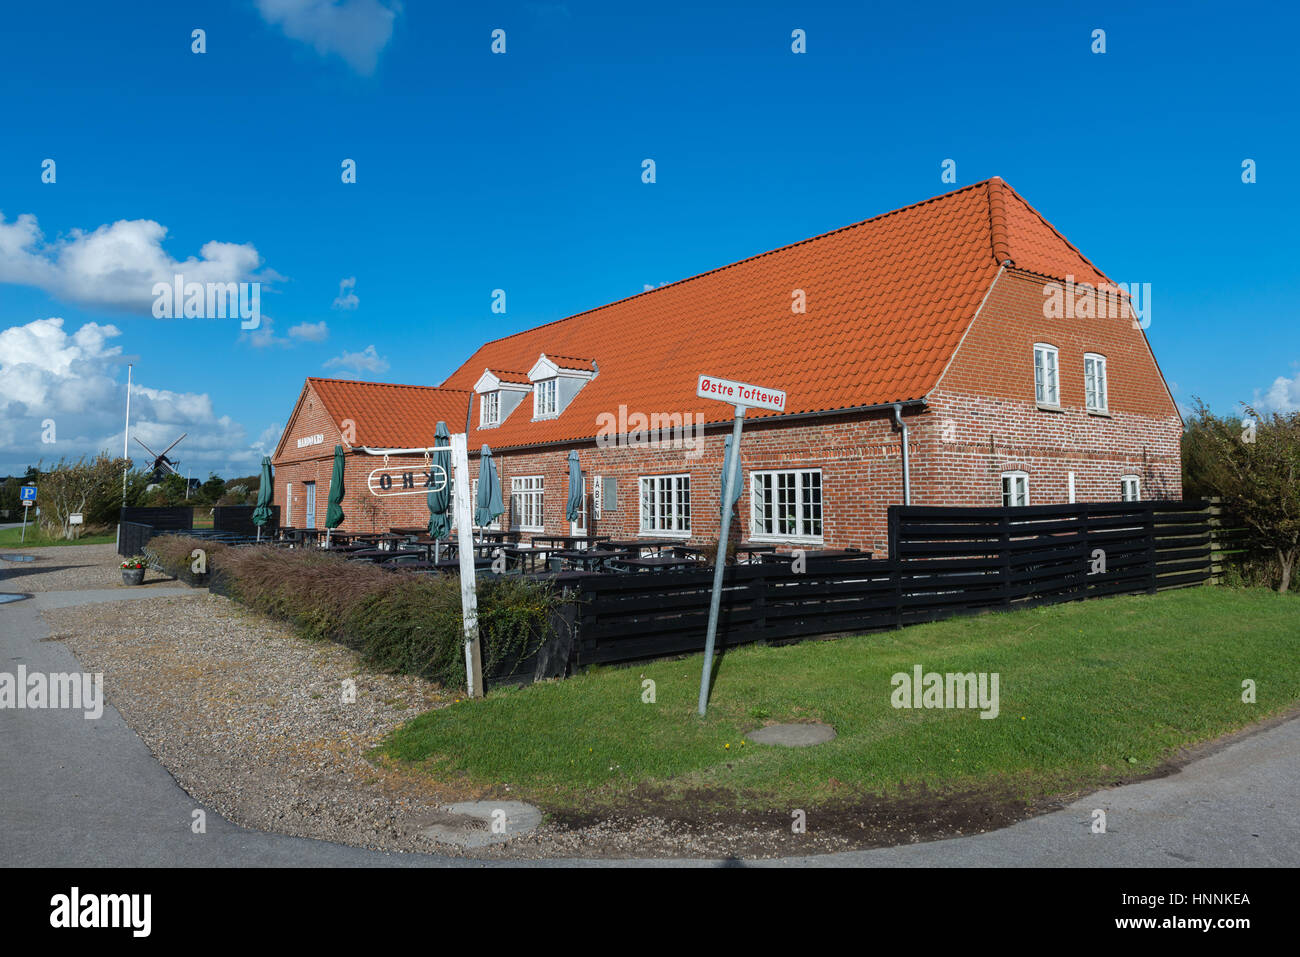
column 10, row 538
column 1088, row 691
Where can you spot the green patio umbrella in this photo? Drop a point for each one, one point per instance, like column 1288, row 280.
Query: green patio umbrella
column 334, row 514
column 440, row 499
column 573, row 509
column 262, row 514
column 488, row 505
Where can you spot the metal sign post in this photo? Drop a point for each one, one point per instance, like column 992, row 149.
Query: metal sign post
column 468, row 591
column 28, row 494
column 742, row 396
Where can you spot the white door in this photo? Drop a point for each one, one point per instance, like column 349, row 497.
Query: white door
column 580, row 526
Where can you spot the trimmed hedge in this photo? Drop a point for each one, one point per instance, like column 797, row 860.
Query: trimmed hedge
column 396, row 620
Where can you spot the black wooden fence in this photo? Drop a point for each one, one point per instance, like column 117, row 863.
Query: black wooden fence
column 943, row 562
column 138, row 524
column 238, row 519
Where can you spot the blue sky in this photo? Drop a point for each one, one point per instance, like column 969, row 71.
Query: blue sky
column 522, row 172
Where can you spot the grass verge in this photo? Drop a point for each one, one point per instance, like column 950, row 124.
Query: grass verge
column 1089, row 692
column 12, row 538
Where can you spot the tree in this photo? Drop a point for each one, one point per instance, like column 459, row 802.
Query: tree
column 79, row 487
column 1255, row 465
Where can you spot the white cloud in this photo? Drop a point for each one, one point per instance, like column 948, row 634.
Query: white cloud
column 367, row 360
column 347, row 299
column 356, row 30
column 77, row 380
column 1282, row 396
column 115, row 265
column 310, row 331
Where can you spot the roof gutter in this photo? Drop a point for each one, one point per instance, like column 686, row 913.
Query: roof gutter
column 725, row 425
column 907, row 472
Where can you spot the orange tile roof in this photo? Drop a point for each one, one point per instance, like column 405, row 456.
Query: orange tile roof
column 392, row 416
column 519, row 377
column 888, row 300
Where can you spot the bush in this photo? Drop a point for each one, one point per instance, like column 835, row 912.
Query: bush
column 396, row 620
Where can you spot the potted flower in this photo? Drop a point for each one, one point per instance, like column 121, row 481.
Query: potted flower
column 133, row 570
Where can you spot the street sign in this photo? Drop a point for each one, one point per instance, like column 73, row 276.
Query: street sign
column 742, row 396
column 28, row 494
column 740, row 393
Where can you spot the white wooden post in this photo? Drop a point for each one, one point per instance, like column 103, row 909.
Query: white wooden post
column 468, row 592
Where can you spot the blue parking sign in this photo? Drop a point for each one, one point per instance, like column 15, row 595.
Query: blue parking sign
column 28, row 493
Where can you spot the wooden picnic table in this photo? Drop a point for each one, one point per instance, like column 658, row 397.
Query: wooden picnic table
column 589, row 557
column 569, row 541
column 639, row 545
column 655, row 564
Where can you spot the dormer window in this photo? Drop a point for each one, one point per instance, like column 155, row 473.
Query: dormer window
column 489, row 412
column 546, row 396
column 498, row 395
column 556, row 380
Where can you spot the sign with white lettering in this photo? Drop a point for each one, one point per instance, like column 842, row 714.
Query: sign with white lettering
column 391, row 481
column 28, row 494
column 316, row 439
column 740, row 393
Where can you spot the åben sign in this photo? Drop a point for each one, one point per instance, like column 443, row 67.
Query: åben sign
column 740, row 393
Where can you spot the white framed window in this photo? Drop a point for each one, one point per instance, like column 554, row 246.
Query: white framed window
column 786, row 505
column 546, row 394
column 1094, row 382
column 1130, row 488
column 489, row 410
column 1046, row 386
column 1015, row 489
column 526, row 503
column 666, row 504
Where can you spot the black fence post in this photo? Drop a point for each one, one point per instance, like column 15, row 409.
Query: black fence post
column 1149, row 518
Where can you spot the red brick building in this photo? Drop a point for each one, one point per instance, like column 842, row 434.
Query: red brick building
column 966, row 324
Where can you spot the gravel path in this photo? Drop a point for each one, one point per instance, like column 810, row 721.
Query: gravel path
column 70, row 568
column 250, row 720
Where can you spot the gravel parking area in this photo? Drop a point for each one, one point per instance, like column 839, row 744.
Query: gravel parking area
column 70, row 568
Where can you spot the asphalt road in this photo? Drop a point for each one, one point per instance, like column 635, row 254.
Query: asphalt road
column 89, row 793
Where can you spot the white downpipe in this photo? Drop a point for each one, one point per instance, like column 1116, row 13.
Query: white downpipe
column 907, row 471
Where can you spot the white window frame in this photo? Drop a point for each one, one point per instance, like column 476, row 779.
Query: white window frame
column 489, row 410
column 546, row 398
column 1096, row 389
column 765, row 484
column 523, row 490
column 1010, row 492
column 1047, row 382
column 669, row 514
column 1124, row 482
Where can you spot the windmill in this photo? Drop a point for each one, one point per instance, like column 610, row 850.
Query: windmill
column 161, row 463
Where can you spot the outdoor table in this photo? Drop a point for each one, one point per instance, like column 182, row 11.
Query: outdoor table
column 638, row 545
column 377, row 555
column 589, row 557
column 408, row 532
column 500, row 538
column 529, row 557
column 453, row 565
column 655, row 564
column 569, row 541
